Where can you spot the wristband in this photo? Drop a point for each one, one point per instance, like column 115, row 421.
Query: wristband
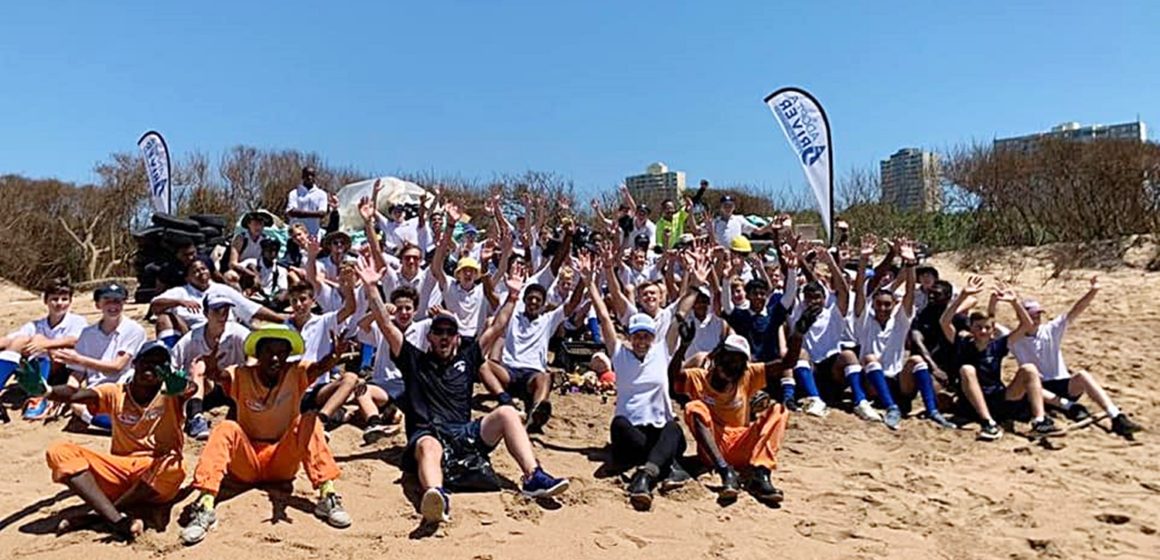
column 504, row 399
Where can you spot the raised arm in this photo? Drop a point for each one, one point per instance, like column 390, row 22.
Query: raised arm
column 584, row 270
column 370, row 277
column 908, row 263
column 498, row 326
column 338, row 347
column 607, row 327
column 946, row 321
column 1026, row 324
column 869, row 243
column 1082, row 304
column 444, row 246
column 366, row 209
column 837, row 282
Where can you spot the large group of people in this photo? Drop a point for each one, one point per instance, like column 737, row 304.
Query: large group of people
column 726, row 326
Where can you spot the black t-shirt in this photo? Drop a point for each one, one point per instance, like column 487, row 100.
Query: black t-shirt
column 760, row 330
column 927, row 323
column 626, row 225
column 988, row 362
column 438, row 393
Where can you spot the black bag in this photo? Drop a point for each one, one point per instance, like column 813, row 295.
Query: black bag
column 465, row 467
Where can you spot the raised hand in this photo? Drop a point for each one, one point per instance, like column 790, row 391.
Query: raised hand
column 701, row 271
column 906, row 250
column 377, row 188
column 453, row 211
column 974, row 285
column 313, row 246
column 1006, row 295
column 366, row 209
column 1094, row 282
column 596, row 205
column 584, row 264
column 367, row 272
column 869, row 244
column 789, row 256
column 332, row 200
column 515, row 280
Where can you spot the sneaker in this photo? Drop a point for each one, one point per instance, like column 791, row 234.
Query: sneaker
column 538, row 417
column 815, row 406
column 36, row 408
column 379, row 432
column 893, row 417
column 1046, row 428
column 204, row 520
column 791, row 405
column 1077, row 413
column 677, row 478
column 990, row 431
column 436, row 506
column 762, row 487
column 197, row 427
column 640, row 491
column 1124, row 426
column 330, row 510
column 4, row 418
column 730, row 484
column 941, row 421
column 866, row 412
column 542, row 485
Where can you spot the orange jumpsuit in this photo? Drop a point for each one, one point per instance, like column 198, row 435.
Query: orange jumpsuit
column 743, row 444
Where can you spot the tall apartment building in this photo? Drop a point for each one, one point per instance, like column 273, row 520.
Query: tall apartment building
column 910, row 180
column 1137, row 131
column 656, row 182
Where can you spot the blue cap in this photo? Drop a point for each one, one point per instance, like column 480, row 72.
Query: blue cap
column 112, row 291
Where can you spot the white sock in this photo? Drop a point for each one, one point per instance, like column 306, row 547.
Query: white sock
column 1065, row 403
column 86, row 416
column 1037, row 419
column 1114, row 411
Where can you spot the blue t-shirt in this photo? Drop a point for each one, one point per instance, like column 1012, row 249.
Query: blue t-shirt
column 760, row 330
column 988, row 362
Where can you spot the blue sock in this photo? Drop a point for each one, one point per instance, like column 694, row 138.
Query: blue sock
column 925, row 383
column 44, row 366
column 102, row 421
column 594, row 327
column 804, row 374
column 169, row 337
column 787, row 390
column 878, row 381
column 368, row 356
column 7, row 368
column 854, row 380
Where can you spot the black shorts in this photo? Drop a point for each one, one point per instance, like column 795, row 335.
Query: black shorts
column 1000, row 408
column 829, row 389
column 520, row 378
column 310, row 399
column 456, row 439
column 904, row 402
column 1060, row 388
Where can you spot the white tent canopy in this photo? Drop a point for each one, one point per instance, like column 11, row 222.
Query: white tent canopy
column 394, row 191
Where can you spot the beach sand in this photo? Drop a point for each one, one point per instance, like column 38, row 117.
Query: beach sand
column 852, row 490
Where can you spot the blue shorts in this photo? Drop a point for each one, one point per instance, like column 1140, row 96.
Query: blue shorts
column 394, row 388
column 451, row 437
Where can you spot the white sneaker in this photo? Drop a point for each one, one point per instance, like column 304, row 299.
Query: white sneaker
column 866, row 412
column 330, row 509
column 204, row 521
column 815, row 406
column 435, row 506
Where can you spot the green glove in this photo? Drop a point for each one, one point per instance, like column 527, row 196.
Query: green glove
column 175, row 381
column 29, row 379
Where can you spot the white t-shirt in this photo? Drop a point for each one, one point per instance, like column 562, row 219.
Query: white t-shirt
column 251, row 248
column 648, row 228
column 423, row 282
column 724, row 230
column 311, row 199
column 271, row 279
column 396, row 233
column 1044, row 349
column 887, row 342
column 825, row 336
column 70, row 325
column 231, row 347
column 526, row 341
column 631, row 277
column 663, row 319
column 642, row 386
column 709, row 333
column 466, row 305
column 243, row 311
column 316, row 335
column 126, row 339
column 386, row 373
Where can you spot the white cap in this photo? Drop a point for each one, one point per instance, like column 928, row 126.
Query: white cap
column 641, row 322
column 737, row 343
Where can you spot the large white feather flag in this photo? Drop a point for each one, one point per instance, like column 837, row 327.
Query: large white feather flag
column 808, row 130
column 156, row 155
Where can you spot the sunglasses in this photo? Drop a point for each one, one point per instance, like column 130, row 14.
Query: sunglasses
column 445, row 332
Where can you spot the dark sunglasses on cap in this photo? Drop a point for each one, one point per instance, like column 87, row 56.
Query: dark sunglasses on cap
column 445, row 331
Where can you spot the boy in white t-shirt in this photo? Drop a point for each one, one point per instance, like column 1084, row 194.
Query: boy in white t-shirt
column 104, row 350
column 464, row 297
column 318, row 333
column 218, row 336
column 34, row 340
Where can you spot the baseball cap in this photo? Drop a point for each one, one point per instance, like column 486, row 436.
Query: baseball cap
column 641, row 322
column 470, row 230
column 728, row 199
column 217, row 300
column 111, row 291
column 741, row 245
column 467, row 262
column 736, row 343
column 445, row 319
column 685, row 239
column 1032, row 306
column 152, row 346
column 641, row 240
column 395, row 208
column 642, row 208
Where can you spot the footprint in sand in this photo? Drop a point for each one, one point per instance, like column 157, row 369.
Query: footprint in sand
column 1113, row 518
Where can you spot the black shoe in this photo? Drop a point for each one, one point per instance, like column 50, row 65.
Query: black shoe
column 1125, row 427
column 990, row 431
column 640, row 491
column 677, row 478
column 762, row 487
column 1046, row 428
column 791, row 405
column 1077, row 413
column 4, row 418
column 730, row 484
column 539, row 416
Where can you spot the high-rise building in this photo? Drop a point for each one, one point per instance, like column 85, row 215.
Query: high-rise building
column 656, row 182
column 1137, row 131
column 910, row 180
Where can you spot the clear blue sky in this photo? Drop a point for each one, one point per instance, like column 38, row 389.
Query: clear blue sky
column 594, row 90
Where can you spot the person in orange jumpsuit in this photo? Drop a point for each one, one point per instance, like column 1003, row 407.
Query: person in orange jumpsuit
column 270, row 438
column 722, row 413
column 144, row 463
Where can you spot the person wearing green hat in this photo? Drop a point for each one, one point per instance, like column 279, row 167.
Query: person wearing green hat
column 270, row 438
column 144, row 464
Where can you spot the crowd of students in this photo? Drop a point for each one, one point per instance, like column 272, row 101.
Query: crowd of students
column 729, row 326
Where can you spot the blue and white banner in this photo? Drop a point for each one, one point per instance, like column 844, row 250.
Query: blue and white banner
column 808, row 130
column 157, row 168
